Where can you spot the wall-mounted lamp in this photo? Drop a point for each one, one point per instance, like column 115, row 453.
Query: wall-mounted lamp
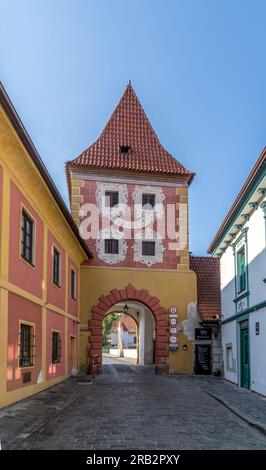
column 185, row 347
column 125, row 309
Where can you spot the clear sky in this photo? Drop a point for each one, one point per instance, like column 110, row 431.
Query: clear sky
column 198, row 67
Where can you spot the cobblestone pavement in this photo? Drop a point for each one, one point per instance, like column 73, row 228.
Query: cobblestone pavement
column 128, row 407
column 108, row 359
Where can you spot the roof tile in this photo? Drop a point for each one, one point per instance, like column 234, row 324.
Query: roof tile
column 129, row 126
column 128, row 324
column 208, row 286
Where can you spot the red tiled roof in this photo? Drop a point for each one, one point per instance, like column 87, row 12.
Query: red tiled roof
column 129, row 126
column 208, row 286
column 259, row 167
column 127, row 322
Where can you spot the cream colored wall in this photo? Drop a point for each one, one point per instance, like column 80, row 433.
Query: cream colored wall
column 171, row 288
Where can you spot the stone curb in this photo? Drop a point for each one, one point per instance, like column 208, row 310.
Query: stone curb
column 247, row 418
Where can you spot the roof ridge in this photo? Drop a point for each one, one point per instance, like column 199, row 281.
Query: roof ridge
column 129, row 125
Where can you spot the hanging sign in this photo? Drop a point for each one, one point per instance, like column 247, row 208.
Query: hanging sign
column 203, row 333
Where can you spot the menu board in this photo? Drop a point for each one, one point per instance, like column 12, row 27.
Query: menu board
column 202, row 359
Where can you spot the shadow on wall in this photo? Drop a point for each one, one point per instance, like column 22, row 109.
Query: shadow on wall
column 256, row 266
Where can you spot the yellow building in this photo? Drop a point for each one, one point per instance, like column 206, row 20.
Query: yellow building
column 41, row 252
column 129, row 198
column 126, row 176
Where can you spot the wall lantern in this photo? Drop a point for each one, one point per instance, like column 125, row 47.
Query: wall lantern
column 125, row 309
column 185, row 347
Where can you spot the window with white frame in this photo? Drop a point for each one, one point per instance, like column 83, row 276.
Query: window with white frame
column 111, row 246
column 229, row 357
column 148, row 248
column 241, row 268
column 111, row 198
column 148, row 201
column 148, row 198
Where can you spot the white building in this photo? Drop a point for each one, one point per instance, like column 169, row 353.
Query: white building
column 138, row 332
column 128, row 332
column 240, row 243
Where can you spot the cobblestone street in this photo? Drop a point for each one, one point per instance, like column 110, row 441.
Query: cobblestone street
column 128, row 407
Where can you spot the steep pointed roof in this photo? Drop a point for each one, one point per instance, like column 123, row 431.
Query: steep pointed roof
column 129, row 126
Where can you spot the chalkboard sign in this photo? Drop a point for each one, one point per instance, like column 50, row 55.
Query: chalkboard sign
column 202, row 359
column 203, row 333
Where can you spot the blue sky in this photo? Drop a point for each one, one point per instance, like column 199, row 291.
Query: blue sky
column 198, row 67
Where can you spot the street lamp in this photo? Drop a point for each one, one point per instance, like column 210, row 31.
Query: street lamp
column 125, row 309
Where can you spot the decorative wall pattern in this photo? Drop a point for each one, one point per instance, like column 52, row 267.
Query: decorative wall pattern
column 159, row 198
column 100, row 198
column 111, row 258
column 148, row 235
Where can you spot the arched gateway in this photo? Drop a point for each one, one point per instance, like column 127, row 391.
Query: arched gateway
column 130, row 293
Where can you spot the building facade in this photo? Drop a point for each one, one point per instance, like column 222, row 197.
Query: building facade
column 240, row 244
column 128, row 181
column 206, row 330
column 125, row 248
column 41, row 252
column 128, row 328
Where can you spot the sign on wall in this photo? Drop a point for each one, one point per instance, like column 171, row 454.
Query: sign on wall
column 172, row 309
column 203, row 333
column 173, row 329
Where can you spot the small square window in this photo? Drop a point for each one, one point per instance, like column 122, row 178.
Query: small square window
column 148, row 248
column 229, row 357
column 124, row 149
column 111, row 246
column 111, row 198
column 148, row 201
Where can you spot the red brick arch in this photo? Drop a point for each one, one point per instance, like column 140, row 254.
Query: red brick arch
column 159, row 313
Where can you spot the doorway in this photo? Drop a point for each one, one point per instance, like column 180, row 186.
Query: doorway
column 202, row 365
column 120, row 338
column 244, row 355
column 129, row 334
column 131, row 299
